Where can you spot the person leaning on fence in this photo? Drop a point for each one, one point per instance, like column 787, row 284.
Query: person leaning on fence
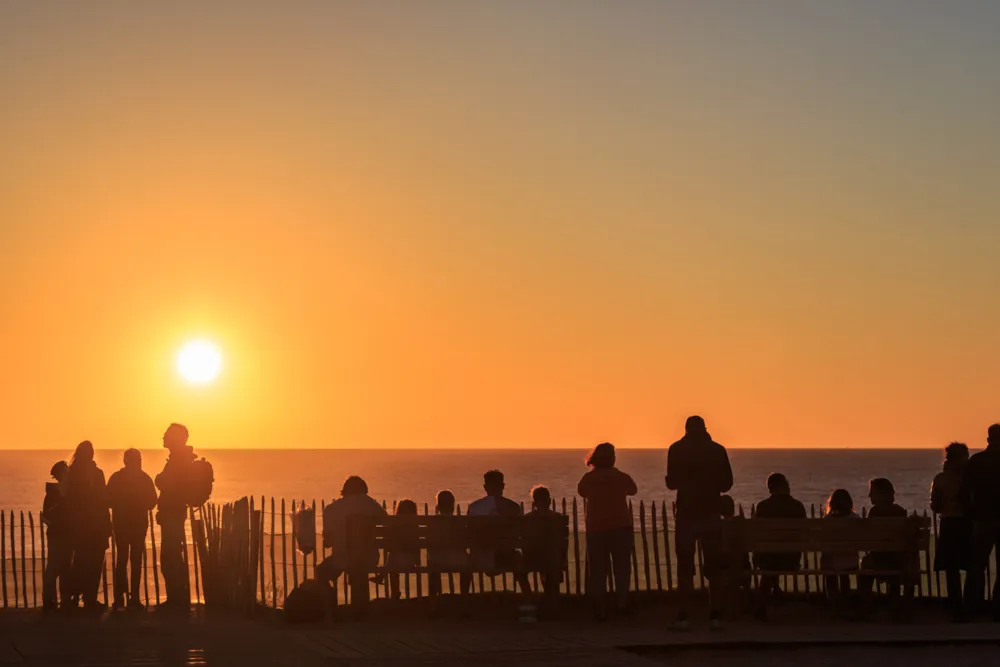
column 981, row 496
column 953, row 548
column 131, row 495
column 90, row 523
column 778, row 505
column 839, row 564
column 55, row 516
column 698, row 470
column 609, row 527
column 354, row 501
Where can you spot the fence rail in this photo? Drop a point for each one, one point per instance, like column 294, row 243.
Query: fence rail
column 245, row 554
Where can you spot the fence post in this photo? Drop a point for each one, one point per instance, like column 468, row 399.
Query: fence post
column 635, row 555
column 666, row 546
column 576, row 547
column 656, row 546
column 645, row 543
column 13, row 561
column 274, row 566
column 260, row 528
column 34, row 581
column 295, row 566
column 24, row 567
column 3, row 556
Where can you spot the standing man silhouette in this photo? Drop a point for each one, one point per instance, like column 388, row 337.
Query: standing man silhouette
column 173, row 483
column 980, row 494
column 131, row 495
column 698, row 470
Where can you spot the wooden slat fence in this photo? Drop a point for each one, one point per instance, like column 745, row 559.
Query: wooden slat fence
column 240, row 554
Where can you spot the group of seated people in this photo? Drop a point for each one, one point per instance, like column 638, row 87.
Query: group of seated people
column 405, row 554
column 964, row 494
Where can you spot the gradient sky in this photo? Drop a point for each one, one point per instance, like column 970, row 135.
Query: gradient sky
column 500, row 223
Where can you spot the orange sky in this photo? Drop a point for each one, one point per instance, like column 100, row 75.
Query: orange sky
column 446, row 226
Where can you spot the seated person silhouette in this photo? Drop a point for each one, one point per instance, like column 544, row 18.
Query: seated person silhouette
column 500, row 559
column 445, row 559
column 778, row 505
column 354, row 501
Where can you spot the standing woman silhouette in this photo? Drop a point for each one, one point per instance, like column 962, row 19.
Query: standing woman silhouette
column 90, row 523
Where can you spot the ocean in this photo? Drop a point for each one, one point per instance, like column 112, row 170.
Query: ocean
column 420, row 474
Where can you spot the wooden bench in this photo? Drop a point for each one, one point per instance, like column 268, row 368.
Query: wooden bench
column 905, row 536
column 537, row 544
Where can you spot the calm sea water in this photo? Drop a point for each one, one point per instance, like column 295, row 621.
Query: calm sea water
column 419, row 474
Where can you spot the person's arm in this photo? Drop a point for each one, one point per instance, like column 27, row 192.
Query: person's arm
column 583, row 488
column 150, row 494
column 936, row 501
column 630, row 488
column 672, row 473
column 725, row 472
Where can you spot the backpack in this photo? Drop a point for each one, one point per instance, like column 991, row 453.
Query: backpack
column 304, row 525
column 306, row 603
column 199, row 485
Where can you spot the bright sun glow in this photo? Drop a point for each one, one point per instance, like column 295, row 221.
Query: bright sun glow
column 199, row 362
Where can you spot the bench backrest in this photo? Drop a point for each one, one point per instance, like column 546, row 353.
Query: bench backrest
column 545, row 536
column 801, row 535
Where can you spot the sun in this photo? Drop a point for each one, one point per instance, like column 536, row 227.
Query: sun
column 199, row 362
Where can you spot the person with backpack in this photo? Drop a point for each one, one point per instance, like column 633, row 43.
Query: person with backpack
column 186, row 481
column 980, row 493
column 131, row 495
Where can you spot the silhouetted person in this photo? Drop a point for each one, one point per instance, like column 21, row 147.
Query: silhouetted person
column 354, row 501
column 840, row 505
column 883, row 498
column 953, row 549
column 541, row 506
column 778, row 505
column 609, row 527
column 541, row 501
column 981, row 496
column 727, row 510
column 173, row 484
column 55, row 515
column 495, row 504
column 698, row 470
column 445, row 559
column 131, row 495
column 90, row 523
column 405, row 551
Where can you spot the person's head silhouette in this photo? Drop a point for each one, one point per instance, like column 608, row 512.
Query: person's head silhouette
column 993, row 435
column 445, row 502
column 881, row 491
column 59, row 470
column 493, row 483
column 175, row 436
column 778, row 484
column 132, row 459
column 541, row 498
column 840, row 503
column 956, row 454
column 84, row 453
column 603, row 456
column 354, row 486
column 695, row 426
